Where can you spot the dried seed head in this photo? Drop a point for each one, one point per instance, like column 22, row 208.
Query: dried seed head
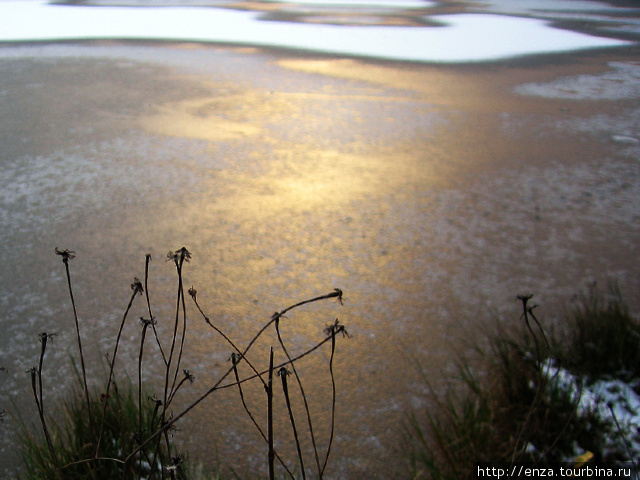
column 136, row 286
column 234, row 358
column 283, row 372
column 335, row 328
column 146, row 322
column 185, row 254
column 65, row 254
column 524, row 299
column 179, row 256
column 188, row 375
column 44, row 336
column 193, row 292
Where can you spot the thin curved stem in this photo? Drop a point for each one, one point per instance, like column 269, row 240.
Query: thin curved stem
column 137, row 288
column 333, row 401
column 304, row 400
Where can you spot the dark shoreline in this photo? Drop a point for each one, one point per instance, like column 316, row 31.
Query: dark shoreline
column 533, row 60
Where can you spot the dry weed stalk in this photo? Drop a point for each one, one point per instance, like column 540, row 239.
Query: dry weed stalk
column 152, row 436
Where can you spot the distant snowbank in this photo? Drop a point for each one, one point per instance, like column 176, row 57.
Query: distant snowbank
column 463, row 38
column 366, row 3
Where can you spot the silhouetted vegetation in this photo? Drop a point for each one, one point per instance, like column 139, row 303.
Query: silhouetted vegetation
column 125, row 433
column 529, row 394
column 534, row 397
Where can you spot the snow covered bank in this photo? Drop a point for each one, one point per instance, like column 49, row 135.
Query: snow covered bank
column 461, row 38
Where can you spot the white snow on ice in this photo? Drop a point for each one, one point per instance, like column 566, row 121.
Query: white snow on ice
column 462, row 38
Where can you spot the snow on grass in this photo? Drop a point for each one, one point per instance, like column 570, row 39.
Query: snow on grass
column 612, row 400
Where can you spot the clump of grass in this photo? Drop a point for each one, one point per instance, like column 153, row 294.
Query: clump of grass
column 73, row 438
column 603, row 338
column 515, row 403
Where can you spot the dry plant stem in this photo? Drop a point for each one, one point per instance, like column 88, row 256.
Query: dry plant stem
column 180, row 305
column 82, row 364
column 43, row 421
column 269, row 389
column 283, row 372
column 152, row 422
column 165, row 434
column 333, row 400
column 304, row 400
column 187, row 376
column 182, row 338
column 43, row 342
column 146, row 291
column 137, row 288
column 173, row 345
column 151, row 429
column 218, row 386
column 539, row 389
column 283, row 364
column 337, row 293
column 538, row 394
column 178, row 257
column 145, row 325
column 544, row 336
column 91, row 460
column 179, row 261
column 43, row 347
column 238, row 356
column 526, row 309
column 244, row 403
column 171, row 351
column 253, row 420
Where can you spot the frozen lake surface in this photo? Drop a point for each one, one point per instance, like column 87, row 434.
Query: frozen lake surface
column 431, row 194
